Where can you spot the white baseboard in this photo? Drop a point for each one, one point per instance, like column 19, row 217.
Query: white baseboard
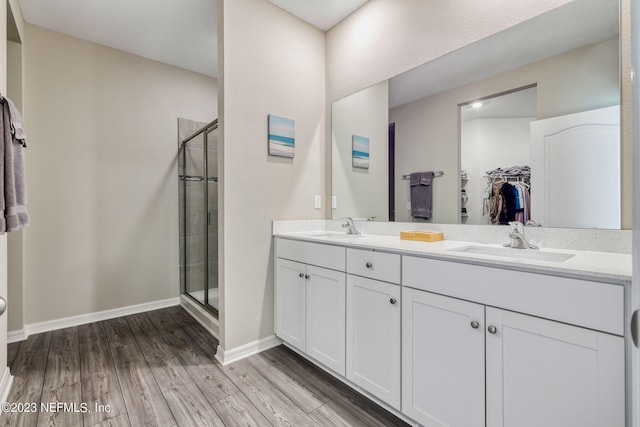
column 5, row 384
column 203, row 317
column 226, row 357
column 16, row 336
column 66, row 322
column 211, row 324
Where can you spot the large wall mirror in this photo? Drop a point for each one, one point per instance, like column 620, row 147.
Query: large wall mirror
column 562, row 66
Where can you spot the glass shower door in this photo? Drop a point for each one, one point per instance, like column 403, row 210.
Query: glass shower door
column 198, row 191
column 211, row 144
column 194, row 217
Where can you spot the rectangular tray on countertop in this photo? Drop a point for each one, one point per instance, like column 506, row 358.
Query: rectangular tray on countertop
column 422, row 236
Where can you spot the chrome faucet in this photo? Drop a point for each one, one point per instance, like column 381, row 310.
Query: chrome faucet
column 518, row 239
column 350, row 226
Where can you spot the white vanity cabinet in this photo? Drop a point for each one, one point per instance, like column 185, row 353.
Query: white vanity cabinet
column 444, row 342
column 443, row 360
column 291, row 302
column 544, row 373
column 373, row 323
column 310, row 300
column 539, row 371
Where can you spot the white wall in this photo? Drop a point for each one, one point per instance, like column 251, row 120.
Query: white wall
column 273, row 64
column 365, row 114
column 102, row 174
column 487, row 144
column 427, row 130
column 628, row 116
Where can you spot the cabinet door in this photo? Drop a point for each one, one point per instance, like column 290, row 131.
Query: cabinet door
column 373, row 337
column 544, row 373
column 326, row 317
column 442, row 360
column 290, row 302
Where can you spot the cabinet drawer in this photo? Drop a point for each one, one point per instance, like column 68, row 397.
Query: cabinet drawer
column 375, row 265
column 327, row 256
column 593, row 305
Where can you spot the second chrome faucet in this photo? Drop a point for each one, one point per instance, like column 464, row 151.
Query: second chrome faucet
column 350, row 226
column 518, row 238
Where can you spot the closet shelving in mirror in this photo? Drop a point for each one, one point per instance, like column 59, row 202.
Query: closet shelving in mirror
column 464, row 198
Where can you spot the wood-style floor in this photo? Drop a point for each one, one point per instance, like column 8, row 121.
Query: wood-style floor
column 158, row 369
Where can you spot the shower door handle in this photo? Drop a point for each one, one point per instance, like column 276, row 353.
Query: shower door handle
column 635, row 330
column 3, row 306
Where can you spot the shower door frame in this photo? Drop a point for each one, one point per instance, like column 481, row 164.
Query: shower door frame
column 205, row 131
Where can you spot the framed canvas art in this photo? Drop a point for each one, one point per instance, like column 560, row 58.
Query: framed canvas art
column 360, row 150
column 282, row 140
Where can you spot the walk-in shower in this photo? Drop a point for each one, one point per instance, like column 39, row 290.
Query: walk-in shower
column 198, row 194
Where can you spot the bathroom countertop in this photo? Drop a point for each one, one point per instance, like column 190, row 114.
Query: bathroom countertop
column 586, row 265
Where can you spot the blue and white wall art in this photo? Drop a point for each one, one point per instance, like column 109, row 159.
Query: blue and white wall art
column 360, row 150
column 282, row 140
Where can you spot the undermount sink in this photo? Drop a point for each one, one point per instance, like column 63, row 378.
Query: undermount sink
column 333, row 234
column 526, row 254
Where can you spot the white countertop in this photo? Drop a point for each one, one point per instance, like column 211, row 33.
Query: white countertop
column 586, row 265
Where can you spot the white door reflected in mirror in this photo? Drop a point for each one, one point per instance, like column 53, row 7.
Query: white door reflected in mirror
column 575, row 163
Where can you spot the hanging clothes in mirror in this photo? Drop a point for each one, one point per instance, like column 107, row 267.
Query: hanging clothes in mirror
column 509, row 197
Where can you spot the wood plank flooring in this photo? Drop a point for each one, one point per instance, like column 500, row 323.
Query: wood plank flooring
column 158, row 369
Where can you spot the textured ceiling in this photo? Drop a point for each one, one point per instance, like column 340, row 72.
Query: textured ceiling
column 322, row 14
column 181, row 33
column 176, row 32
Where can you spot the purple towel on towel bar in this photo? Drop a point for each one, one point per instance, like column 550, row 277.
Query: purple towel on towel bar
column 421, row 194
column 13, row 191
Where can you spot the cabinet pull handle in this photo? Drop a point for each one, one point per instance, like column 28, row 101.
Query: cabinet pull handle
column 368, row 265
column 301, row 274
column 635, row 322
column 306, row 276
column 475, row 324
column 492, row 329
column 393, row 300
